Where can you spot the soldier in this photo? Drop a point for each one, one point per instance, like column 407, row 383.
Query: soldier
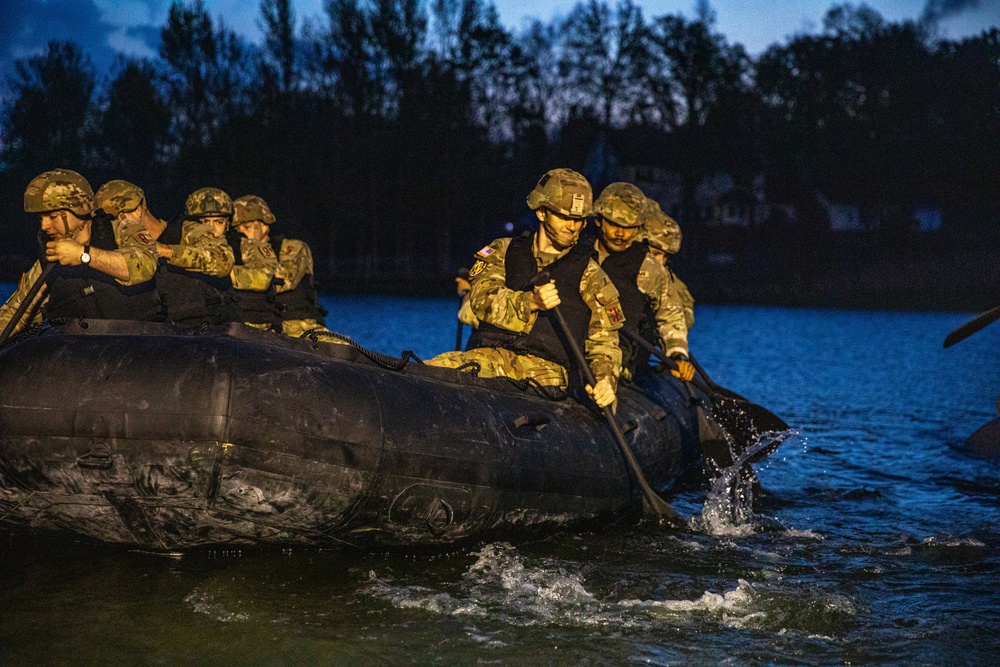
column 297, row 301
column 193, row 277
column 253, row 277
column 517, row 337
column 643, row 283
column 104, row 267
column 663, row 235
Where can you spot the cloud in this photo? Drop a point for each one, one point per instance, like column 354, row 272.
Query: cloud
column 935, row 10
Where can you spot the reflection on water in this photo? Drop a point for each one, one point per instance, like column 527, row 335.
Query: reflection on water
column 876, row 541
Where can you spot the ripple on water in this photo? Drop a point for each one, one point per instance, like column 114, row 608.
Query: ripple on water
column 502, row 587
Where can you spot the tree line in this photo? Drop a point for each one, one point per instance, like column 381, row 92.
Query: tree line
column 397, row 136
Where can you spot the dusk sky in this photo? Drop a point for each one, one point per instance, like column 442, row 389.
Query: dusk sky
column 107, row 27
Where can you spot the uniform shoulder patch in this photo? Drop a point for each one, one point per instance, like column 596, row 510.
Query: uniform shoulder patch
column 266, row 250
column 485, row 252
column 477, row 268
column 144, row 237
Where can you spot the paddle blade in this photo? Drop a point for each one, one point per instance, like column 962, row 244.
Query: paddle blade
column 655, row 508
column 980, row 321
column 745, row 422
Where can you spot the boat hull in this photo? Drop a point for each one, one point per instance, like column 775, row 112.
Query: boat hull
column 163, row 438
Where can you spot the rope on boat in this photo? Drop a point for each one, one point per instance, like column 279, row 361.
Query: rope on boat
column 474, row 367
column 390, row 363
column 32, row 331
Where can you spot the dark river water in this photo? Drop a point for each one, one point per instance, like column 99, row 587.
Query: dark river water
column 885, row 549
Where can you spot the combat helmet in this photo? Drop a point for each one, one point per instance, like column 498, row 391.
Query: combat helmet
column 118, row 197
column 251, row 208
column 209, row 203
column 659, row 229
column 622, row 204
column 563, row 191
column 59, row 190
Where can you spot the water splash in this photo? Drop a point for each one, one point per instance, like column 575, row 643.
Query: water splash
column 728, row 509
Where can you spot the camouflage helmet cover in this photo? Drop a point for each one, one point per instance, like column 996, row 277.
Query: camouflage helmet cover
column 251, row 208
column 59, row 190
column 622, row 204
column 118, row 197
column 659, row 229
column 564, row 191
column 209, row 203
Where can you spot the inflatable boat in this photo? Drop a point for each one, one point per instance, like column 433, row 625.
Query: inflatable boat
column 166, row 438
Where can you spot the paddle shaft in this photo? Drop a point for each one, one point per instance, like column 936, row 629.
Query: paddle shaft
column 653, row 350
column 980, row 321
column 652, row 502
column 26, row 302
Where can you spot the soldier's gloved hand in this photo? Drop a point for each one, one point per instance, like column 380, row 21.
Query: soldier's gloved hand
column 545, row 297
column 684, row 370
column 65, row 251
column 603, row 394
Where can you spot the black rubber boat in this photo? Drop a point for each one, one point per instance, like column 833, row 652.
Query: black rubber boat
column 165, row 438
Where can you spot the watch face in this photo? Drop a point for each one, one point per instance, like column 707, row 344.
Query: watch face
column 85, row 258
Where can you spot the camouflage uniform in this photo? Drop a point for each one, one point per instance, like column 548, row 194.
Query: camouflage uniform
column 257, row 271
column 64, row 189
column 134, row 243
column 493, row 302
column 295, row 262
column 201, row 251
column 663, row 233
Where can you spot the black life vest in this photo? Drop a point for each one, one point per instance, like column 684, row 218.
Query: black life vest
column 301, row 303
column 545, row 340
column 623, row 269
column 255, row 307
column 190, row 297
column 80, row 291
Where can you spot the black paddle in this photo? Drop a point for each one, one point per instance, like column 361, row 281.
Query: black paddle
column 462, row 273
column 654, row 507
column 980, row 321
column 740, row 418
column 26, row 302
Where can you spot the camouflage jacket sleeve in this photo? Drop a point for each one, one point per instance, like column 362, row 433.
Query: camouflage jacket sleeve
column 606, row 317
column 655, row 282
column 201, row 251
column 686, row 298
column 258, row 268
column 492, row 301
column 139, row 250
column 294, row 264
column 33, row 315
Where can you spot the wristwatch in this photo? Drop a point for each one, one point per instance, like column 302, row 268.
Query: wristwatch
column 85, row 257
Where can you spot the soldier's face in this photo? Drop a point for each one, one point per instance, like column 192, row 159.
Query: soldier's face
column 615, row 238
column 255, row 230
column 59, row 224
column 561, row 232
column 658, row 255
column 217, row 223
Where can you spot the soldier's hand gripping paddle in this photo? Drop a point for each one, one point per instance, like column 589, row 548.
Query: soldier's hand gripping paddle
column 26, row 302
column 653, row 506
column 980, row 321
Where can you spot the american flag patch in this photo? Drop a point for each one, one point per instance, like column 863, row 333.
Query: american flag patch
column 486, row 251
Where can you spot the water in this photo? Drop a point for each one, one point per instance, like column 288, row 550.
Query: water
column 878, row 542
